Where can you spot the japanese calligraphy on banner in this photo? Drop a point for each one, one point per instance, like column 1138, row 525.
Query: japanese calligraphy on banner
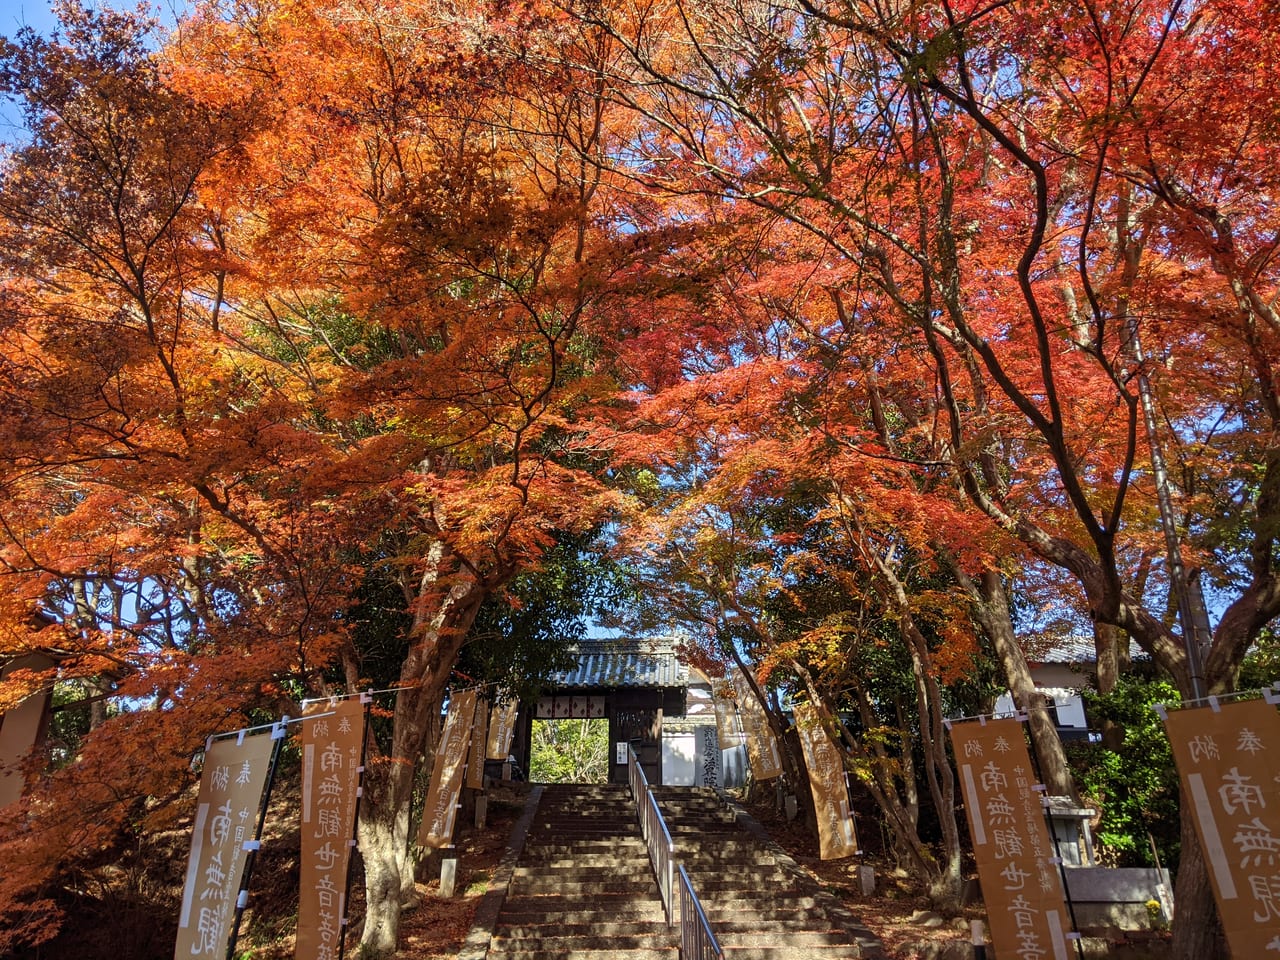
column 836, row 835
column 728, row 726
column 332, row 742
column 762, row 748
column 502, row 727
column 446, row 772
column 231, row 788
column 1227, row 760
column 20, row 727
column 476, row 753
column 1021, row 882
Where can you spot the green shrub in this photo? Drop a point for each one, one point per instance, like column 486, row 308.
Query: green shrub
column 1135, row 787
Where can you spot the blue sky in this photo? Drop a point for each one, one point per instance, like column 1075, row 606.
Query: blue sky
column 37, row 14
column 25, row 13
column 15, row 14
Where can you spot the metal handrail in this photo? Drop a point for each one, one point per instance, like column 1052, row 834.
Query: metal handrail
column 662, row 852
column 657, row 838
column 697, row 941
column 636, row 779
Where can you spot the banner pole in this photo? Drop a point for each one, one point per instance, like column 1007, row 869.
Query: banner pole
column 1053, row 835
column 242, row 896
column 355, row 833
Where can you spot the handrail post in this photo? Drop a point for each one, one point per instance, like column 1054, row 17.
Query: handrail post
column 697, row 940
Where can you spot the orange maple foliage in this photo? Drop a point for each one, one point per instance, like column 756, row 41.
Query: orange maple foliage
column 1045, row 232
column 908, row 301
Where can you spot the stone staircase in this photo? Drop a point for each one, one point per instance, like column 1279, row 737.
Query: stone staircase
column 582, row 888
column 759, row 902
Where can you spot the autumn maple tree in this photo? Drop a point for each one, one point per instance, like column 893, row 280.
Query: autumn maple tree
column 872, row 320
column 1047, row 220
column 157, row 540
column 437, row 184
column 257, row 331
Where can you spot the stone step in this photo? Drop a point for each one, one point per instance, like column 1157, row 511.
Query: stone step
column 706, row 865
column 625, row 906
column 594, row 888
column 568, row 944
column 604, row 839
column 795, row 908
column 599, row 928
column 775, row 886
column 781, row 951
column 535, row 853
column 798, row 903
column 728, row 927
column 530, row 953
column 525, row 914
column 794, row 939
column 592, row 856
column 693, row 807
column 597, row 865
column 605, row 835
column 564, row 806
column 711, row 846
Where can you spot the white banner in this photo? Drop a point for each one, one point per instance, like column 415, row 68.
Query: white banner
column 231, row 787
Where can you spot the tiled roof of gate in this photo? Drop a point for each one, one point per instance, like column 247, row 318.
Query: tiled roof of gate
column 625, row 663
column 1072, row 650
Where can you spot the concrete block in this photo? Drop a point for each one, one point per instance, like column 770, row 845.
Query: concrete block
column 867, row 879
column 1115, row 896
column 448, row 876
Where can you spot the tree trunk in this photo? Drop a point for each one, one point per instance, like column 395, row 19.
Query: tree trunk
column 384, row 828
column 945, row 888
column 441, row 623
column 1197, row 930
column 992, row 612
column 901, row 810
column 380, row 846
column 1112, row 647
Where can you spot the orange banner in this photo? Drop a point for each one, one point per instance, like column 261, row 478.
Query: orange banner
column 446, row 772
column 502, row 728
column 1017, row 865
column 21, row 727
column 332, row 740
column 1227, row 759
column 476, row 752
column 231, row 787
column 836, row 835
column 762, row 747
column 728, row 726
